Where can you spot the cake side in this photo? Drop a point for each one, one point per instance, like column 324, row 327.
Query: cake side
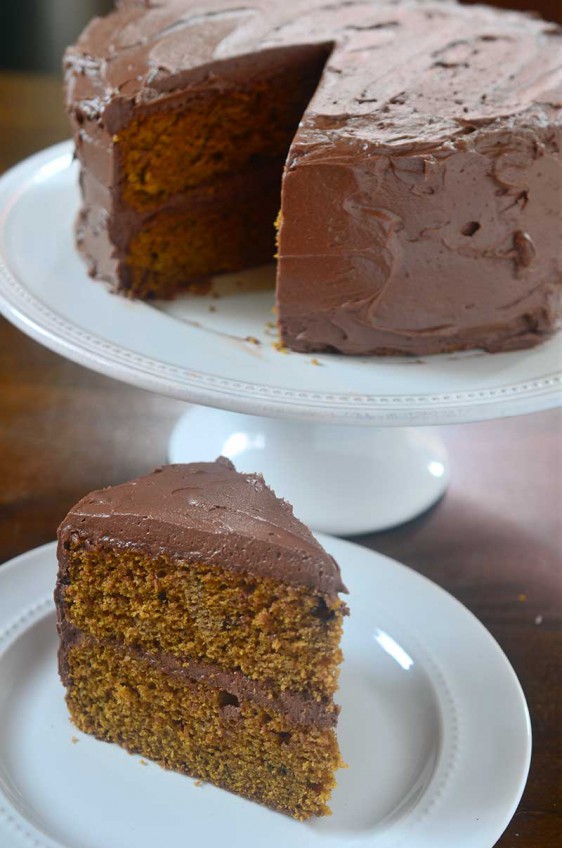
column 439, row 250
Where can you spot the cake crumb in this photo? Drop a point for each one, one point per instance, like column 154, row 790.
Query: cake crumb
column 252, row 340
column 143, row 762
column 212, row 308
column 538, row 620
column 74, row 740
column 522, row 597
column 199, row 782
column 315, row 361
column 280, row 347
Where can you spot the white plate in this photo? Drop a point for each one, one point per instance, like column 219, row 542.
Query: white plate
column 185, row 350
column 434, row 728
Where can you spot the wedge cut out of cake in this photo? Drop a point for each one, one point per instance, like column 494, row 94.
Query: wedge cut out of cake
column 199, row 626
column 412, row 148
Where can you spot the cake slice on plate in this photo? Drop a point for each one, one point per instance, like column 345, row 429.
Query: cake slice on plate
column 199, row 626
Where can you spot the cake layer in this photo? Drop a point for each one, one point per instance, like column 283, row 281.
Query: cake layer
column 223, row 145
column 286, row 637
column 179, row 250
column 223, row 667
column 199, row 730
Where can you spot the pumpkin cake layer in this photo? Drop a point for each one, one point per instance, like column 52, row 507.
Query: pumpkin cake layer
column 421, row 191
column 200, row 579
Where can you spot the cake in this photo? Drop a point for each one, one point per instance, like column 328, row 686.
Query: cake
column 412, row 147
column 199, row 626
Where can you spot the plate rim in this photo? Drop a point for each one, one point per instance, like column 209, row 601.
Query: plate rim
column 37, row 608
column 43, row 324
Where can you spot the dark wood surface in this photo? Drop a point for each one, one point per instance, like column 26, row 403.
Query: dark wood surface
column 494, row 541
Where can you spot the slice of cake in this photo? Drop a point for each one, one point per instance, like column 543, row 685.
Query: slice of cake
column 199, row 626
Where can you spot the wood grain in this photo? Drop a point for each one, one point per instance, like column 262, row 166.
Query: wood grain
column 494, row 541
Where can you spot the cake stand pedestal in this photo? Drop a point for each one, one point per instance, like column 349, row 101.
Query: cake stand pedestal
column 340, row 479
column 322, row 429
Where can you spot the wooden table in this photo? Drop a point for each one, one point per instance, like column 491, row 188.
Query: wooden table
column 494, row 541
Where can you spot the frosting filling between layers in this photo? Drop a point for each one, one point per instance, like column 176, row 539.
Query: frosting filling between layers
column 297, row 708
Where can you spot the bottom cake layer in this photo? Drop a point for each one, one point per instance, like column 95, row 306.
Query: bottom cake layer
column 184, row 244
column 199, row 730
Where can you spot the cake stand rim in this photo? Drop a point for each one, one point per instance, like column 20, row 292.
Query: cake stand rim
column 37, row 320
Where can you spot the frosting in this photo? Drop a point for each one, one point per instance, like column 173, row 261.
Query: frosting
column 208, row 513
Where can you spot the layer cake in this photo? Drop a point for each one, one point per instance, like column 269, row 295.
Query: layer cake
column 199, row 626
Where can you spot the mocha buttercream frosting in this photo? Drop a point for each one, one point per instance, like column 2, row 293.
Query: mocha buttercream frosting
column 421, row 196
column 206, row 512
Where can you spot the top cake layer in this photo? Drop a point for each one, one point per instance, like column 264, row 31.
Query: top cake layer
column 208, row 513
column 384, row 81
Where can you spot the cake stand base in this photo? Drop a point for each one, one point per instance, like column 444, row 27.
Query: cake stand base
column 342, row 480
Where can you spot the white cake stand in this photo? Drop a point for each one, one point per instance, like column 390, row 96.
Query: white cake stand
column 277, row 412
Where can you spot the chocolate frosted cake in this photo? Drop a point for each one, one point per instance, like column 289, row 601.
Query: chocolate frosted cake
column 199, row 626
column 414, row 149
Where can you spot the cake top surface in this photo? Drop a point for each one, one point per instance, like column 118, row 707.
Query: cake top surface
column 208, row 512
column 401, row 73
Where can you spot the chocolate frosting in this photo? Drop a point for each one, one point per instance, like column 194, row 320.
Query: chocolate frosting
column 421, row 197
column 206, row 512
